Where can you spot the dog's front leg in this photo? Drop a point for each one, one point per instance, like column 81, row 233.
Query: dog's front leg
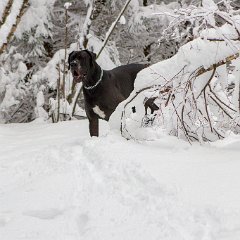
column 93, row 127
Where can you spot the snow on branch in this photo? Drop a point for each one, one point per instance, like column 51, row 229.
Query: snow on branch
column 197, row 104
column 84, row 36
column 17, row 10
column 67, row 5
column 193, row 21
column 197, row 90
column 6, row 12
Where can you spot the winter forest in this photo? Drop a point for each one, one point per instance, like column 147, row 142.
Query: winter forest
column 171, row 173
column 197, row 40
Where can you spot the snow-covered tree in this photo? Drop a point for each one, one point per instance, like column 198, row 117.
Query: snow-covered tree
column 198, row 88
column 38, row 35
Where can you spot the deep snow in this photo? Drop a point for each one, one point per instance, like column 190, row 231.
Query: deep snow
column 58, row 183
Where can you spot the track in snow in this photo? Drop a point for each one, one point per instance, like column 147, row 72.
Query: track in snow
column 57, row 183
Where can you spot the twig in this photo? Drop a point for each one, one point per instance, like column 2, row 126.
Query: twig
column 206, row 109
column 77, row 94
column 210, row 79
column 184, row 128
column 65, row 51
column 220, row 100
column 58, row 93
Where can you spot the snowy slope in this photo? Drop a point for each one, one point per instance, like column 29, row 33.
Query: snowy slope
column 58, row 183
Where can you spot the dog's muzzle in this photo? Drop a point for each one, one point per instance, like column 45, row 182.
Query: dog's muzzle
column 77, row 73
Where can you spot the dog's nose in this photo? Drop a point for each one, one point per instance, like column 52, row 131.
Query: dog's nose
column 73, row 64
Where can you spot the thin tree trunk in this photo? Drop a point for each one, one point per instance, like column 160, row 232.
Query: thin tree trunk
column 65, row 52
column 239, row 93
column 114, row 24
column 88, row 22
column 58, row 94
column 78, row 93
column 73, row 96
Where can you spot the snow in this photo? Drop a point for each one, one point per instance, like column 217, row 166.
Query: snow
column 67, row 5
column 10, row 21
column 58, row 183
column 122, row 20
column 209, row 4
column 195, row 54
column 40, row 14
column 154, row 10
column 191, row 57
column 225, row 32
column 3, row 4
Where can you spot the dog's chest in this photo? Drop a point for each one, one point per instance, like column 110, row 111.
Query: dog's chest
column 99, row 112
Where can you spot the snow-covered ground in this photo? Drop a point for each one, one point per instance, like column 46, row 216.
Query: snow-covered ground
column 58, row 183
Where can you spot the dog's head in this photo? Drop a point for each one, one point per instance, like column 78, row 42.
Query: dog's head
column 80, row 64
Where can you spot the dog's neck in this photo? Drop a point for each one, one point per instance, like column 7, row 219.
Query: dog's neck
column 93, row 77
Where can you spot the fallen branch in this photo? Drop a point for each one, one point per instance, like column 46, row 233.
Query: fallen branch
column 198, row 72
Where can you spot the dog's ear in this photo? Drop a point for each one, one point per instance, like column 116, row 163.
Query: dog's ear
column 69, row 56
column 94, row 56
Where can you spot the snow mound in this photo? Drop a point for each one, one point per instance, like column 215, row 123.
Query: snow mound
column 176, row 73
column 123, row 197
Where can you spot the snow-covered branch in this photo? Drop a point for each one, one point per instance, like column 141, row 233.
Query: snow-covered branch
column 17, row 10
column 198, row 106
column 192, row 22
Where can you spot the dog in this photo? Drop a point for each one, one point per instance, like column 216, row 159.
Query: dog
column 103, row 90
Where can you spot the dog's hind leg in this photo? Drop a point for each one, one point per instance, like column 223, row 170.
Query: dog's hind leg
column 93, row 127
column 150, row 104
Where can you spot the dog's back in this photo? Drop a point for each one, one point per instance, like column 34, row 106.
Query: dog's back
column 125, row 76
column 132, row 69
